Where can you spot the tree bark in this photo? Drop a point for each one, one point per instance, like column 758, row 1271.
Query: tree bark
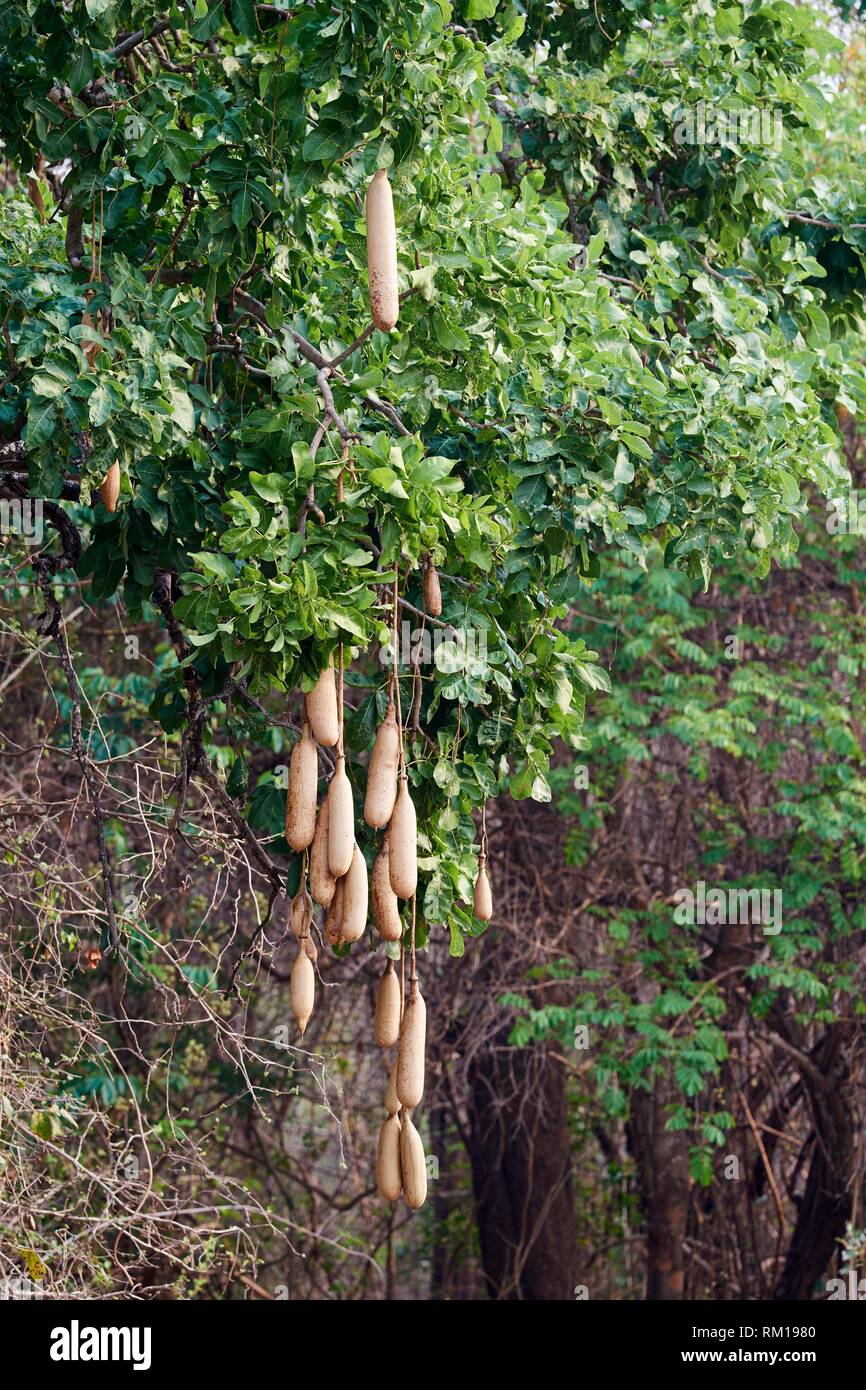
column 520, row 1150
column 825, row 1206
column 663, row 1163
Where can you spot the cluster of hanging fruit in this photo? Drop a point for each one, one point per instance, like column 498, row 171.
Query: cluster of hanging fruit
column 337, row 874
column 333, row 861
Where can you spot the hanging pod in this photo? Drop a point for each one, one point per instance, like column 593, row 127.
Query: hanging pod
column 354, row 918
column 322, row 708
column 334, row 919
column 403, row 844
column 301, row 795
column 382, row 252
column 388, row 1178
column 302, row 912
column 432, row 590
column 341, row 821
column 482, row 900
column 109, row 488
column 386, row 909
column 322, row 881
column 410, row 1054
column 413, row 1165
column 386, row 1024
column 392, row 1102
column 303, row 987
column 382, row 772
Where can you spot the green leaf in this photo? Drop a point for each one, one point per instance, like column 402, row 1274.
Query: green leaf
column 788, row 487
column 41, row 421
column 44, row 385
column 624, row 469
column 273, row 487
column 593, row 676
column 244, row 17
column 449, row 334
column 324, row 144
column 213, row 563
column 343, row 620
column 182, row 409
column 303, row 460
column 494, row 135
column 242, row 208
column 728, row 21
column 100, row 405
column 81, row 71
column 387, row 480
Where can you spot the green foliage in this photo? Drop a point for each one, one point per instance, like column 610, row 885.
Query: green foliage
column 610, row 340
column 784, row 700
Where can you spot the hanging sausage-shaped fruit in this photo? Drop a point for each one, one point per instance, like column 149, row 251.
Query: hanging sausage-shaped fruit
column 386, row 1025
column 322, row 708
column 382, row 253
column 403, row 844
column 382, row 772
column 300, row 824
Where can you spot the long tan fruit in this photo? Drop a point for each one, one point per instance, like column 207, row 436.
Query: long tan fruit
column 392, row 1104
column 341, row 822
column 482, row 898
column 403, row 844
column 382, row 772
column 301, row 795
column 386, row 1024
column 322, row 708
column 382, row 253
column 303, row 987
column 432, row 590
column 109, row 488
column 334, row 919
column 386, row 908
column 388, row 1177
column 322, row 881
column 302, row 912
column 410, row 1055
column 413, row 1165
column 355, row 898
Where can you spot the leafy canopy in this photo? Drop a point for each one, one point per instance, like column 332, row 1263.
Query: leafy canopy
column 611, row 338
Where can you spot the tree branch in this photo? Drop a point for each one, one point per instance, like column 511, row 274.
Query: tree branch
column 132, row 41
column 362, row 337
column 257, row 310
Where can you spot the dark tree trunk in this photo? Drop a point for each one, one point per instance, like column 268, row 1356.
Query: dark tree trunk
column 520, row 1149
column 663, row 1163
column 825, row 1206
